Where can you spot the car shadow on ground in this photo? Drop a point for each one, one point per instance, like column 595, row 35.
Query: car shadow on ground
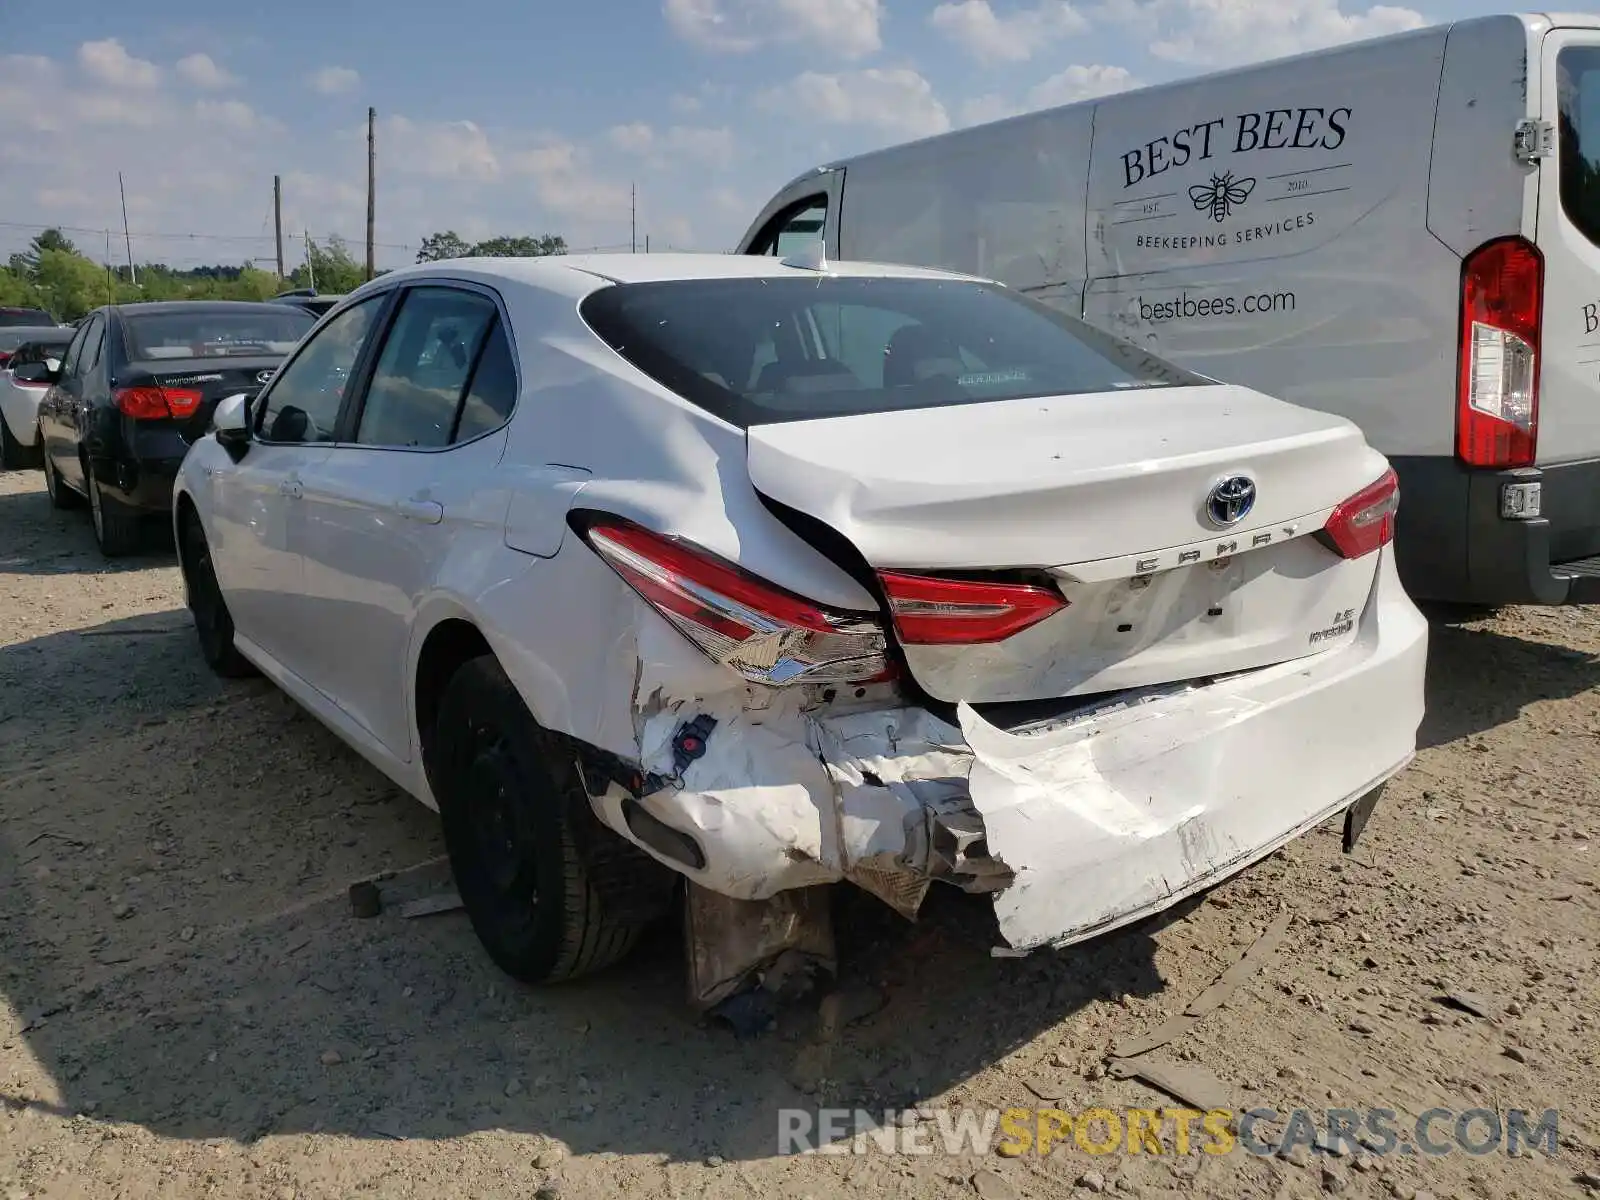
column 175, row 936
column 46, row 541
column 1479, row 679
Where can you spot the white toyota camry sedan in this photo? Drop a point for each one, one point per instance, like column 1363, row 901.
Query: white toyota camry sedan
column 776, row 574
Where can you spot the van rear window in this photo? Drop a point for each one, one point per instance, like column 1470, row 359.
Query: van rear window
column 763, row 350
column 1578, row 86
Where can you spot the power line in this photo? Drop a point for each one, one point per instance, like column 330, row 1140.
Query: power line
column 198, row 237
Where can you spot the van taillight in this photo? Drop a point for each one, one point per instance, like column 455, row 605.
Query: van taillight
column 1497, row 390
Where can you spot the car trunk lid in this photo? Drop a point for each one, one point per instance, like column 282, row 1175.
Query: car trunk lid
column 1110, row 500
column 212, row 379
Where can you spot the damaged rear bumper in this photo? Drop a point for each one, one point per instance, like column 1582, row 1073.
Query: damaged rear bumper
column 1076, row 825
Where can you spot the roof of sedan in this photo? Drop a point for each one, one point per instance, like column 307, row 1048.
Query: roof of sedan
column 194, row 306
column 654, row 268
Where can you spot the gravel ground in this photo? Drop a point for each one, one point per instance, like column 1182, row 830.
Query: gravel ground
column 188, row 1008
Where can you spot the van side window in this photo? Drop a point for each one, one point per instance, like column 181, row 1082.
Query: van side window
column 794, row 228
column 1578, row 85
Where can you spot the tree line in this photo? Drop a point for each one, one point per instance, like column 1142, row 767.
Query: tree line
column 53, row 274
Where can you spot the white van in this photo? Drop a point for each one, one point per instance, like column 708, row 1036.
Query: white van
column 1404, row 231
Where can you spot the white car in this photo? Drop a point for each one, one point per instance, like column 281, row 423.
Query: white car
column 777, row 574
column 25, row 347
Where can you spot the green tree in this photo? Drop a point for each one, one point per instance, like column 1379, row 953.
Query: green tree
column 333, row 268
column 521, row 247
column 70, row 285
column 438, row 246
column 49, row 240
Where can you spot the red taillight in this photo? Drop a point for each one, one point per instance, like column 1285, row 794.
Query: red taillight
column 1497, row 389
column 764, row 633
column 5, row 357
column 1365, row 521
column 960, row 612
column 153, row 403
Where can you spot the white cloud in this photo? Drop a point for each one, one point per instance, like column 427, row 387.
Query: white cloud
column 109, row 63
column 1230, row 32
column 1015, row 37
column 848, row 28
column 203, row 71
column 331, row 81
column 234, row 114
column 892, row 100
column 1065, row 87
column 438, row 149
column 674, row 146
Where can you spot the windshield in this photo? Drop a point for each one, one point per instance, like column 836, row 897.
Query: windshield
column 1578, row 87
column 215, row 333
column 757, row 351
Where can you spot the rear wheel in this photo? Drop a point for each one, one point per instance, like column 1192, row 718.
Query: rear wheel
column 551, row 893
column 212, row 620
column 118, row 532
column 61, row 496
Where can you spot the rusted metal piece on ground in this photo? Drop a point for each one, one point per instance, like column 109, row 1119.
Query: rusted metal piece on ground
column 429, row 906
column 1195, row 1086
column 1213, row 996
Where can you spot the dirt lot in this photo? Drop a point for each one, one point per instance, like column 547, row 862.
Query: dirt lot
column 187, row 1006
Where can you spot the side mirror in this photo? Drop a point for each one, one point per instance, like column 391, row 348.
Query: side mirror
column 231, row 421
column 45, row 372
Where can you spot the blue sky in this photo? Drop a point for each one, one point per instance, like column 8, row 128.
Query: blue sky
column 499, row 117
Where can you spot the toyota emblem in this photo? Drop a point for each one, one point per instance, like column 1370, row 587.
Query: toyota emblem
column 263, row 376
column 1231, row 499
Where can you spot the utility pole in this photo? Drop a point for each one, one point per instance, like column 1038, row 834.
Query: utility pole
column 633, row 220
column 372, row 184
column 311, row 267
column 277, row 219
column 127, row 238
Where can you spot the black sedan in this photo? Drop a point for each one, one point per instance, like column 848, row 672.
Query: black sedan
column 136, row 387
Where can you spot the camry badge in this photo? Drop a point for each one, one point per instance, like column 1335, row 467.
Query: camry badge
column 1231, row 499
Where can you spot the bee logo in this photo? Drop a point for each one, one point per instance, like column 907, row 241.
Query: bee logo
column 1222, row 195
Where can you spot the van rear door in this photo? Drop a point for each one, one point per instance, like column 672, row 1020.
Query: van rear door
column 1569, row 240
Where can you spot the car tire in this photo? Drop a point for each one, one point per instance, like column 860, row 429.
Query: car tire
column 551, row 893
column 118, row 533
column 14, row 456
column 213, row 623
column 61, row 496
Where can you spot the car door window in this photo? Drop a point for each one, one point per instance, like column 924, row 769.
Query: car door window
column 302, row 403
column 69, row 361
column 796, row 227
column 93, row 346
column 425, row 368
column 493, row 391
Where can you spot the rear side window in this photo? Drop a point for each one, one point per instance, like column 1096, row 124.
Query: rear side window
column 25, row 316
column 1578, row 86
column 758, row 351
column 429, row 365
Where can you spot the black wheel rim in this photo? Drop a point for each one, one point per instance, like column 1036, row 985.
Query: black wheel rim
column 498, row 822
column 205, row 595
column 94, row 508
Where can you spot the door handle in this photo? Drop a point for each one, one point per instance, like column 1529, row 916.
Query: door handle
column 429, row 512
column 291, row 488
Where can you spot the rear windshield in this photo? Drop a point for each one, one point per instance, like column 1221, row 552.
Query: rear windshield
column 25, row 316
column 214, row 334
column 13, row 336
column 1578, row 85
column 758, row 351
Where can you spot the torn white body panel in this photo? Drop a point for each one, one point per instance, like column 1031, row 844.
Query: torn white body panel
column 1076, row 825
